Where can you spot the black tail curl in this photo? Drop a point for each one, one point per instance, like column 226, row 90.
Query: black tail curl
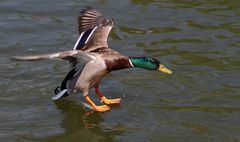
column 57, row 90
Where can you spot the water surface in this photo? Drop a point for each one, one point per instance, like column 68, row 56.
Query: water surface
column 198, row 40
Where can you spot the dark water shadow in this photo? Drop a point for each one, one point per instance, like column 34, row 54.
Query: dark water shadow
column 79, row 124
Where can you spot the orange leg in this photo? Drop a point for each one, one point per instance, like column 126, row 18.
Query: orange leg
column 105, row 100
column 101, row 108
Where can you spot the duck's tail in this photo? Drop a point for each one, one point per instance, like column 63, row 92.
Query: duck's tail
column 65, row 93
column 60, row 93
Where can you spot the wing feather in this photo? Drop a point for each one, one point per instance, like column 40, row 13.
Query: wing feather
column 71, row 56
column 88, row 19
column 92, row 21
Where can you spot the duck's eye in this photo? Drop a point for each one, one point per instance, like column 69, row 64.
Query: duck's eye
column 162, row 67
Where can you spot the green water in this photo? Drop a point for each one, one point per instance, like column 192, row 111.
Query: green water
column 198, row 40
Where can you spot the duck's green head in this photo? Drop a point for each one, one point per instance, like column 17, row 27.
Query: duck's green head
column 148, row 63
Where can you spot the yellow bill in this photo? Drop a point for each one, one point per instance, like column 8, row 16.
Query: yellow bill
column 163, row 69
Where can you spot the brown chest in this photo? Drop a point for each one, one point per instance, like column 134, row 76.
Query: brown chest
column 117, row 63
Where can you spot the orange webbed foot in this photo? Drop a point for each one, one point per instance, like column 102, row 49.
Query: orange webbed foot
column 102, row 108
column 110, row 101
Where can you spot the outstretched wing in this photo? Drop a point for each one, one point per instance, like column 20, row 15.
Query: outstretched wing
column 93, row 29
column 73, row 56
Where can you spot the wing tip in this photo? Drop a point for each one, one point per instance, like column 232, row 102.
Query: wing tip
column 88, row 18
column 87, row 8
column 18, row 58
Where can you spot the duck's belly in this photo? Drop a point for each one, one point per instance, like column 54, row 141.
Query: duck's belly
column 91, row 74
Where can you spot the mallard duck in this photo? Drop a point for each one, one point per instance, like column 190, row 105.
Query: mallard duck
column 92, row 59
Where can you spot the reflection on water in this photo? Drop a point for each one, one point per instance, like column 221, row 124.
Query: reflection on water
column 197, row 40
column 79, row 124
